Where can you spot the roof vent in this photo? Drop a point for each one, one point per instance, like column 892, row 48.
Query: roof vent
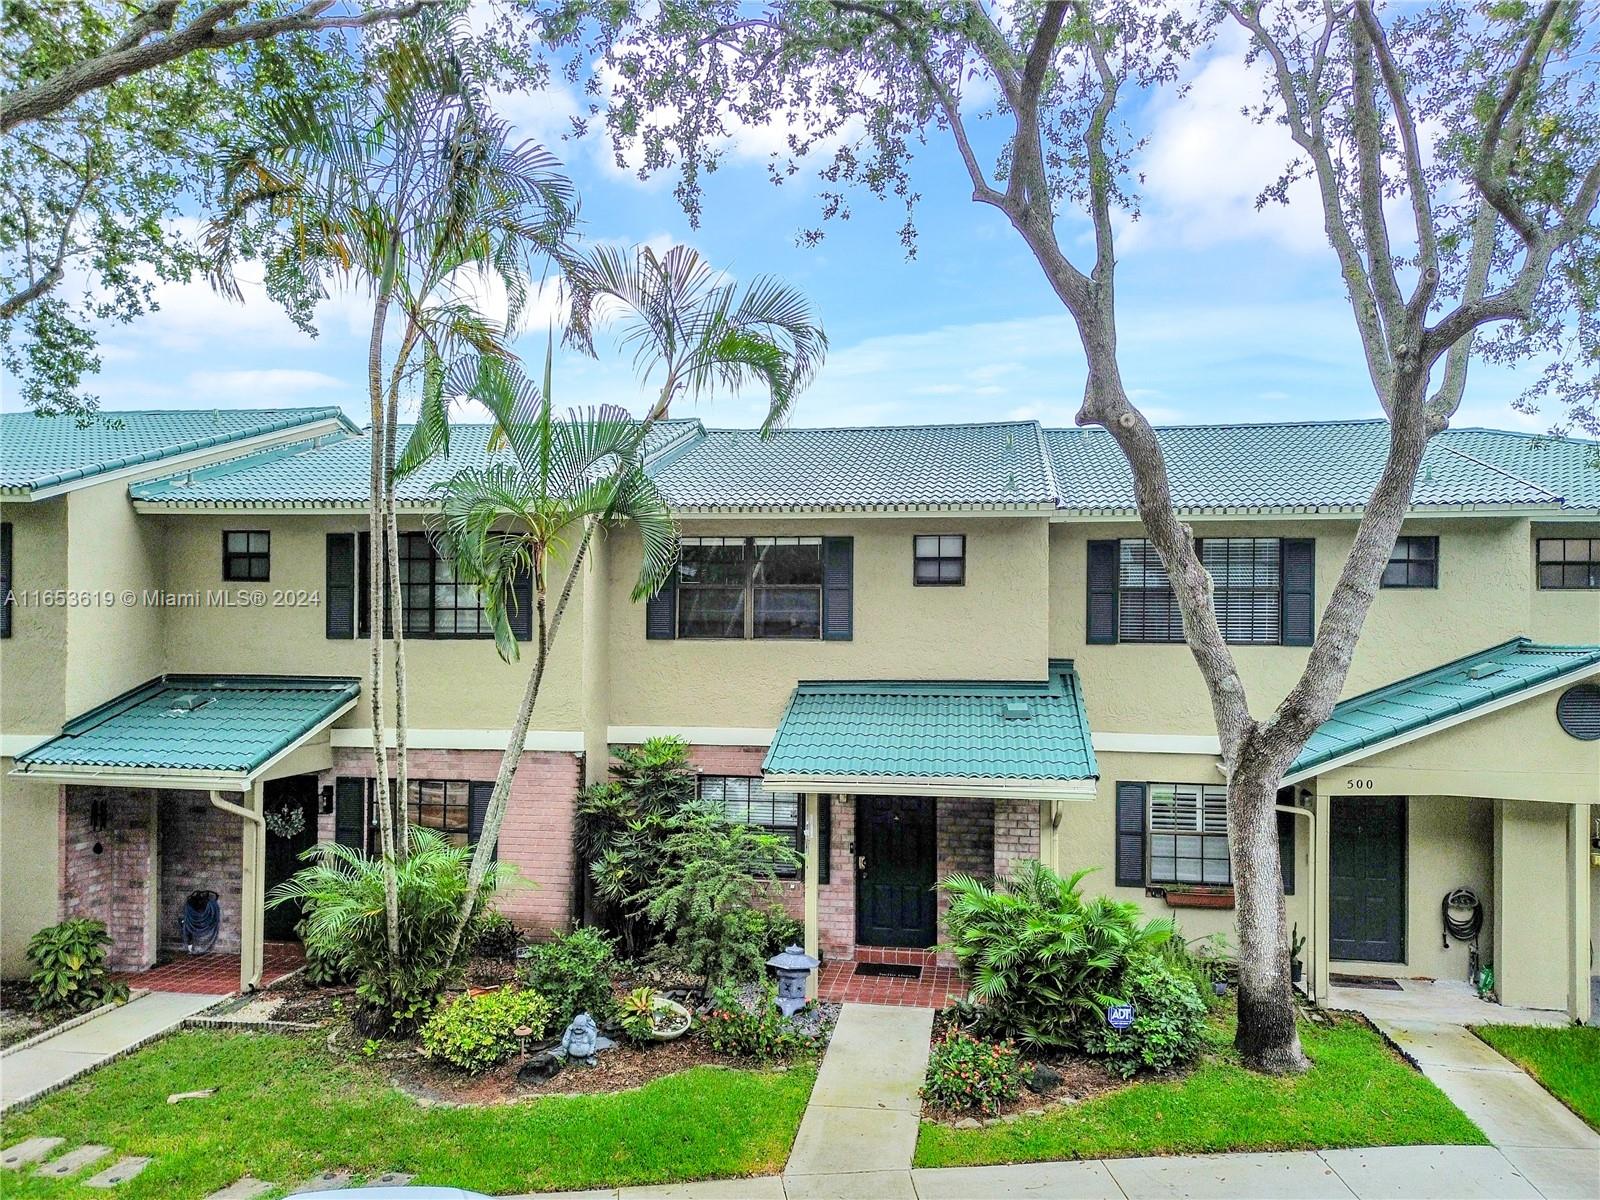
column 187, row 703
column 1484, row 670
column 1018, row 710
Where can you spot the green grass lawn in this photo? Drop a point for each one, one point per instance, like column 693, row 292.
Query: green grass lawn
column 1566, row 1061
column 286, row 1111
column 1357, row 1093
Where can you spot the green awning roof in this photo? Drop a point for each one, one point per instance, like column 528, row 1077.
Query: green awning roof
column 1452, row 692
column 946, row 737
column 219, row 729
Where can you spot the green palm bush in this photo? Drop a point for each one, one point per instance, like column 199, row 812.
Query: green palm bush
column 1042, row 962
column 344, row 891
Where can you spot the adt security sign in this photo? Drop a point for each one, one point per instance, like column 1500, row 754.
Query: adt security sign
column 1119, row 1016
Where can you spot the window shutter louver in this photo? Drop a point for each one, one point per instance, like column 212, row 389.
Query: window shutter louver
column 824, row 847
column 522, row 614
column 5, row 579
column 364, row 575
column 1286, row 851
column 339, row 597
column 350, row 809
column 478, row 797
column 1130, row 834
column 838, row 582
column 1299, row 576
column 1101, row 623
column 661, row 610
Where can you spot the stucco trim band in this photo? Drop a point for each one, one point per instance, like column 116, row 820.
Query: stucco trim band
column 462, row 739
column 695, row 735
column 977, row 789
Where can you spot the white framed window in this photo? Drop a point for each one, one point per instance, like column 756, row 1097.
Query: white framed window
column 939, row 559
column 1187, row 841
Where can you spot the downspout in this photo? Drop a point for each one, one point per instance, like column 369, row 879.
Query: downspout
column 250, row 913
column 1310, row 977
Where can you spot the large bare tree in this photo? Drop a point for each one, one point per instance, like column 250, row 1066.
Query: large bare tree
column 1452, row 149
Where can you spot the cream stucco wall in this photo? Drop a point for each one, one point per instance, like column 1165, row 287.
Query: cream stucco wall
column 29, row 835
column 1563, row 616
column 33, row 665
column 994, row 627
column 1534, row 930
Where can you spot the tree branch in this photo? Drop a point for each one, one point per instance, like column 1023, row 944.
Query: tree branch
column 1529, row 63
column 56, row 271
column 202, row 33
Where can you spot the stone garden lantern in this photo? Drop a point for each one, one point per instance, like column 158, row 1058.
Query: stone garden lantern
column 793, row 967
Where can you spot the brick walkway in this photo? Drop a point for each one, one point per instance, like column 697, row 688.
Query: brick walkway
column 853, row 980
column 215, row 974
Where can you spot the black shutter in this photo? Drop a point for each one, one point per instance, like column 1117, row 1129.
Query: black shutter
column 1130, row 834
column 5, row 579
column 823, row 848
column 339, row 598
column 478, row 796
column 350, row 808
column 522, row 597
column 661, row 610
column 838, row 583
column 364, row 575
column 1101, row 624
column 1299, row 559
column 1286, row 851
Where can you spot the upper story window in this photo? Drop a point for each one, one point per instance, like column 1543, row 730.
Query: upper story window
column 1188, row 834
column 1248, row 596
column 247, row 555
column 941, row 559
column 5, row 579
column 1569, row 564
column 1413, row 563
column 746, row 800
column 753, row 587
column 433, row 602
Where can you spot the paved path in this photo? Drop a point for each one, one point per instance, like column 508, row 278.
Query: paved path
column 45, row 1066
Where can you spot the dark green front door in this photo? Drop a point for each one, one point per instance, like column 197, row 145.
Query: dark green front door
column 895, row 867
column 1367, row 879
column 283, row 853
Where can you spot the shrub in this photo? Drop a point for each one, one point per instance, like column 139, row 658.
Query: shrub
column 347, row 918
column 476, row 1032
column 1039, row 957
column 69, row 966
column 759, row 1031
column 1168, row 1027
column 964, row 1072
column 325, row 966
column 776, row 930
column 492, row 935
column 574, row 971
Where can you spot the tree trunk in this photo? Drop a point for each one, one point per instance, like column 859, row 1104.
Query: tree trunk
column 396, row 609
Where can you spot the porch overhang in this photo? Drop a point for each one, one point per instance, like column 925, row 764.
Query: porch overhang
column 1448, row 695
column 976, row 738
column 210, row 733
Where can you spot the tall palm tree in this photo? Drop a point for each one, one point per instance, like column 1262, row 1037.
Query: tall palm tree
column 535, row 512
column 412, row 189
column 679, row 314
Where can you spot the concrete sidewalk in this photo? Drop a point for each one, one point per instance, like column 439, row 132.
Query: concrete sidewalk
column 43, row 1067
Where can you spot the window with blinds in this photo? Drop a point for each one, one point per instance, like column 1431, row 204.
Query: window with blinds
column 762, row 587
column 1248, row 596
column 1188, row 834
column 746, row 800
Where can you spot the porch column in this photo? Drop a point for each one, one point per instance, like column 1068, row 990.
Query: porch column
column 1321, row 843
column 252, row 893
column 1579, row 999
column 813, row 871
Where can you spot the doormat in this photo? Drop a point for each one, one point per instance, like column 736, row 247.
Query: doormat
column 891, row 970
column 1376, row 983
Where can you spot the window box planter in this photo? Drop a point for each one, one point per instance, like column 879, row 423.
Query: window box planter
column 1198, row 897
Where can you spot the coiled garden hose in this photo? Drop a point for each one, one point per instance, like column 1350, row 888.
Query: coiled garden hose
column 1463, row 928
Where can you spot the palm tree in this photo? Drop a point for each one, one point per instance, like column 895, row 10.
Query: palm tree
column 412, row 189
column 678, row 313
column 535, row 513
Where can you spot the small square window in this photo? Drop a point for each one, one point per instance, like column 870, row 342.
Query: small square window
column 1569, row 564
column 1413, row 563
column 247, row 555
column 941, row 559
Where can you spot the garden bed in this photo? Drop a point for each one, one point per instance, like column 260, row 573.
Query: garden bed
column 18, row 1020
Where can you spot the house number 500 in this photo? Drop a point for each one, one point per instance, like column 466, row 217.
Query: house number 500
column 1358, row 785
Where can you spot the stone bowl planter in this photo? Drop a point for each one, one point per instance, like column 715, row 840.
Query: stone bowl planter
column 669, row 1020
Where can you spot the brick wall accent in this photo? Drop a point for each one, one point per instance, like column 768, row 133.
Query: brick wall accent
column 202, row 848
column 537, row 836
column 1016, row 833
column 965, row 844
column 836, row 899
column 109, row 873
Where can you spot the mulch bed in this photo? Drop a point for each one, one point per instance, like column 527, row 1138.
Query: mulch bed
column 18, row 1021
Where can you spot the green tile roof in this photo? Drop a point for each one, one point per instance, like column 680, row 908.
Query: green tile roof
column 1498, row 673
column 956, row 729
column 1327, row 464
column 228, row 724
column 41, row 452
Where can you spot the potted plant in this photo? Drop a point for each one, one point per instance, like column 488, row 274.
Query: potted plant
column 648, row 1016
column 1297, row 943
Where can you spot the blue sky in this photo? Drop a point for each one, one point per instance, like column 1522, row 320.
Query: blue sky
column 1226, row 314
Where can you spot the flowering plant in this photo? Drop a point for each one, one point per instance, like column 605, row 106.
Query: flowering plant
column 964, row 1072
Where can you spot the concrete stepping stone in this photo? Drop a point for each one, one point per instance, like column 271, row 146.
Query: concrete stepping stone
column 387, row 1179
column 247, row 1188
column 72, row 1162
column 328, row 1181
column 120, row 1171
column 29, row 1151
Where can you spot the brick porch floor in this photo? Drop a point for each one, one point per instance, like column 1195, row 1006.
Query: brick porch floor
column 932, row 988
column 215, row 974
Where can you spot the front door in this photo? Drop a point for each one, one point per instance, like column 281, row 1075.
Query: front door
column 1367, row 879
column 296, row 793
column 895, row 869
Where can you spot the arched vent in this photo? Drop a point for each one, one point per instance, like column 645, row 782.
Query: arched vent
column 1578, row 711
